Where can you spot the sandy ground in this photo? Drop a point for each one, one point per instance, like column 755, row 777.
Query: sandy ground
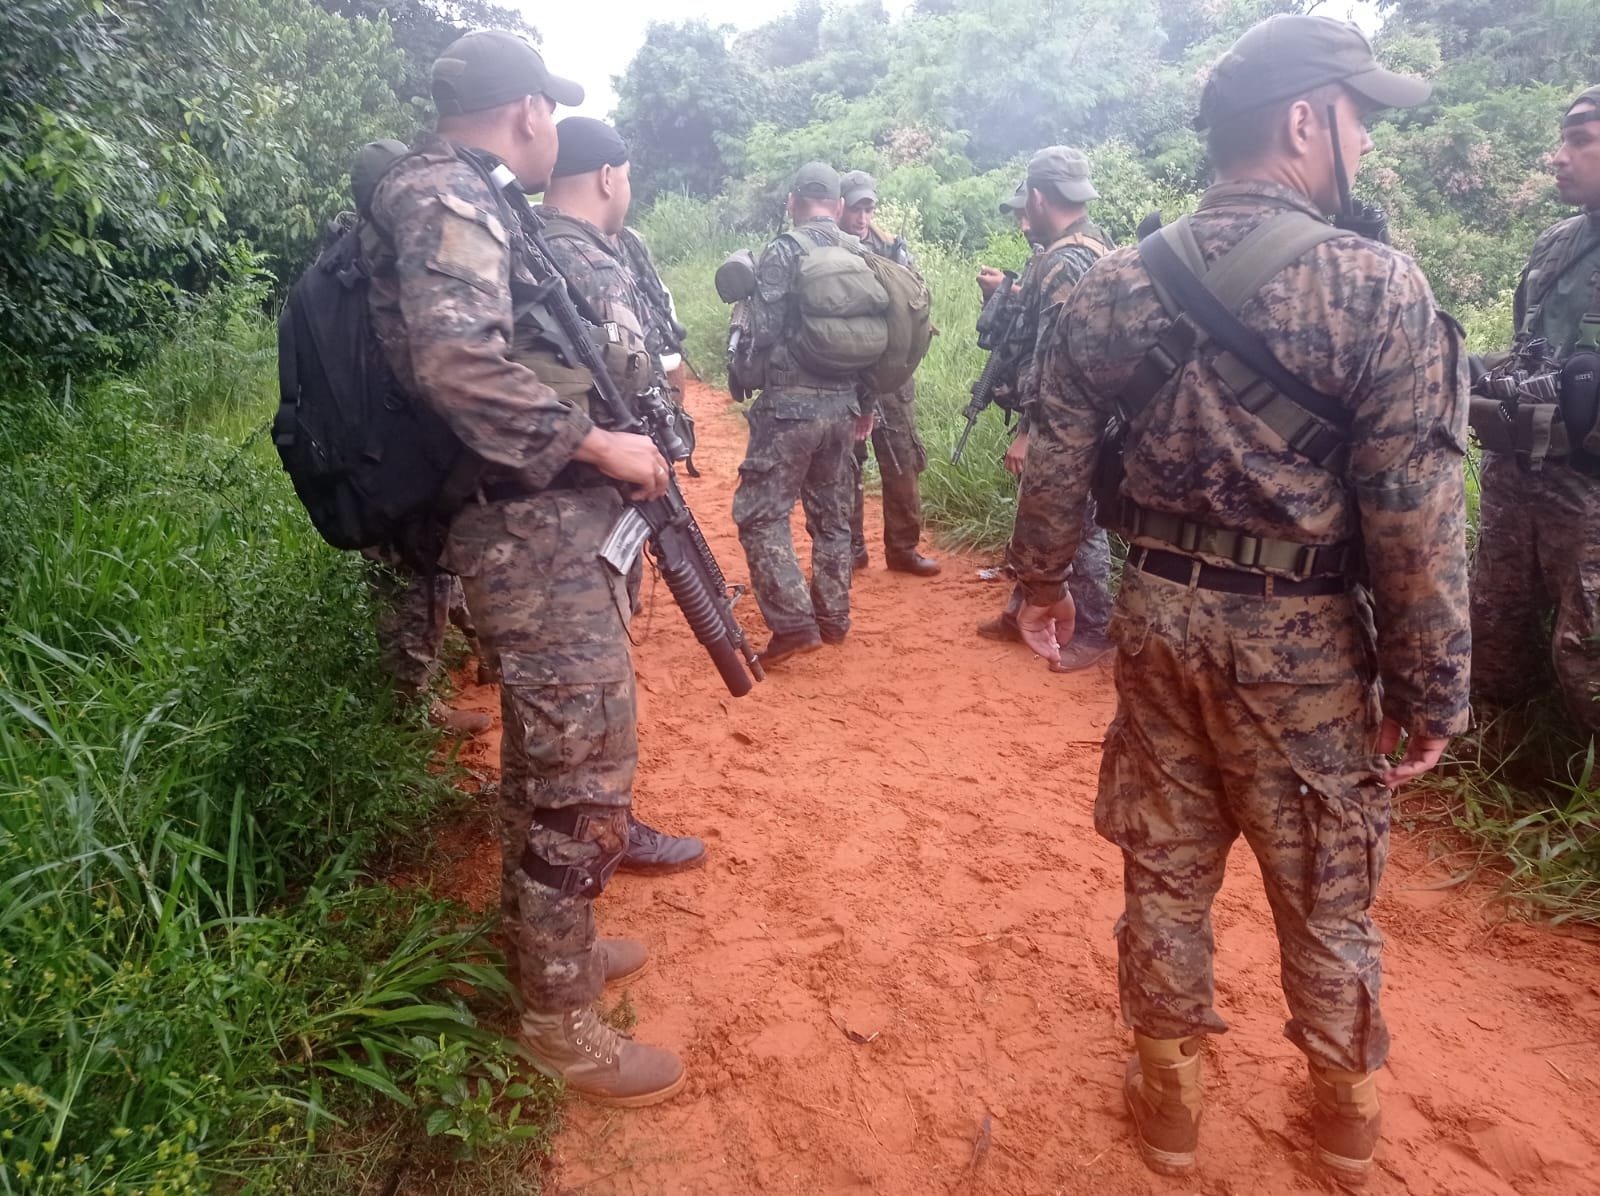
column 896, row 973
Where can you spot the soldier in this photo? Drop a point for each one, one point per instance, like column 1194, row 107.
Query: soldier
column 1538, row 555
column 802, row 429
column 413, row 609
column 585, row 206
column 448, row 257
column 1257, row 681
column 895, row 442
column 1055, row 194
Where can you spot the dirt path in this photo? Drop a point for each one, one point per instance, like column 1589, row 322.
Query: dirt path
column 900, row 855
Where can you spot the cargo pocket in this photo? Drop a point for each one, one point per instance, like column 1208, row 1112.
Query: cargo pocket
column 574, row 711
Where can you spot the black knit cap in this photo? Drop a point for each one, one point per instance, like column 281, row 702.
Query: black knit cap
column 587, row 144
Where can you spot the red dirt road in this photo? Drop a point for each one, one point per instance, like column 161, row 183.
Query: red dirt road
column 902, row 852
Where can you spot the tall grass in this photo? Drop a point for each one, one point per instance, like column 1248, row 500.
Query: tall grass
column 197, row 753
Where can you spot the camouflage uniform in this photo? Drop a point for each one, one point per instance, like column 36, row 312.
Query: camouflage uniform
column 1044, row 287
column 412, row 612
column 801, row 434
column 1259, row 713
column 444, row 272
column 895, row 443
column 1539, row 532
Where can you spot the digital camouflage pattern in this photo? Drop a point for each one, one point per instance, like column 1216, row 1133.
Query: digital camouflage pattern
column 806, row 459
column 1044, row 287
column 413, row 610
column 801, row 435
column 662, row 331
column 557, row 619
column 1260, row 714
column 441, row 307
column 595, row 266
column 1239, row 715
column 1538, row 555
column 895, row 443
column 544, row 604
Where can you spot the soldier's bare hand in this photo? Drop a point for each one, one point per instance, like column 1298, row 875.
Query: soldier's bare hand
column 1422, row 753
column 629, row 458
column 1046, row 628
column 865, row 424
column 1016, row 455
column 988, row 279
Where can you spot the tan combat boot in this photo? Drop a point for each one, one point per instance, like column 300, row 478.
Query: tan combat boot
column 1162, row 1087
column 598, row 1062
column 1346, row 1122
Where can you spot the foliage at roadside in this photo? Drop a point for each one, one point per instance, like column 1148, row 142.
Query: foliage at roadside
column 198, row 985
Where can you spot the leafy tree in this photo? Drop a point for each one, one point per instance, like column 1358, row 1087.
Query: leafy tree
column 422, row 28
column 684, row 104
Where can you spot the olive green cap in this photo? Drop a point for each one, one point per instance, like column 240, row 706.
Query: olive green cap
column 371, row 162
column 856, row 186
column 1590, row 96
column 1017, row 200
column 1287, row 56
column 815, row 180
column 1062, row 171
column 490, row 67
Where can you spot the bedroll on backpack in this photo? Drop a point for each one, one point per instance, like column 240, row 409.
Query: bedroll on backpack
column 841, row 327
column 909, row 320
column 374, row 467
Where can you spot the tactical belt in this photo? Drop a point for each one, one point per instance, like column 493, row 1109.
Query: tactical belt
column 1282, row 558
column 1186, row 570
column 570, row 880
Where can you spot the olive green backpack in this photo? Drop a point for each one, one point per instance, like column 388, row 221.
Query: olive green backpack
column 841, row 326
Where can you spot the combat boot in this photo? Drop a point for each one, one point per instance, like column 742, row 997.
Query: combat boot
column 1002, row 627
column 785, row 644
column 1162, row 1087
column 598, row 1062
column 1081, row 652
column 623, row 959
column 653, row 852
column 1345, row 1121
column 459, row 722
column 912, row 562
column 859, row 559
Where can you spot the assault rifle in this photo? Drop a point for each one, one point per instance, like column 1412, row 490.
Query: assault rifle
column 564, row 319
column 736, row 281
column 994, row 335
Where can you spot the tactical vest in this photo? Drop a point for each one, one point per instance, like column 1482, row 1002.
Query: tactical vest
column 1204, row 304
column 1541, row 405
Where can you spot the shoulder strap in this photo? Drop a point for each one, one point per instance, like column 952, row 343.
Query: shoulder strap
column 1209, row 300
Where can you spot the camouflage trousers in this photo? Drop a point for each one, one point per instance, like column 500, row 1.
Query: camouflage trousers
column 1089, row 583
column 805, row 460
column 412, row 613
column 1242, row 715
column 557, row 619
column 1537, row 559
column 901, row 458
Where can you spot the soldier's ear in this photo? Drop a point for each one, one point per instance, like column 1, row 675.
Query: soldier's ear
column 607, row 185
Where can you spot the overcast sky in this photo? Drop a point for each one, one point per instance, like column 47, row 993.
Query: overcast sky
column 591, row 41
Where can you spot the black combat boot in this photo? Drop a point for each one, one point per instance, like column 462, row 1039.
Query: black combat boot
column 654, row 852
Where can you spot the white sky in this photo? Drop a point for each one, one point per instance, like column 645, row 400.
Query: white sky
column 592, row 40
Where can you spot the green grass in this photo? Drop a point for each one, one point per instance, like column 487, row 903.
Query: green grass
column 200, row 987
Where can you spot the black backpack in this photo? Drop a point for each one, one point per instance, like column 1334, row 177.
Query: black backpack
column 375, row 467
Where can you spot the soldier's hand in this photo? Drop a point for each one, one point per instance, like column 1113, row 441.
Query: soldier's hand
column 628, row 457
column 988, row 279
column 1016, row 455
column 865, row 424
column 1422, row 753
column 1046, row 628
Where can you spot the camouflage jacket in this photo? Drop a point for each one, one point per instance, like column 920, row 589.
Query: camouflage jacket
column 595, row 266
column 1044, row 287
column 443, row 260
column 1561, row 283
column 662, row 330
column 1356, row 321
column 792, row 391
